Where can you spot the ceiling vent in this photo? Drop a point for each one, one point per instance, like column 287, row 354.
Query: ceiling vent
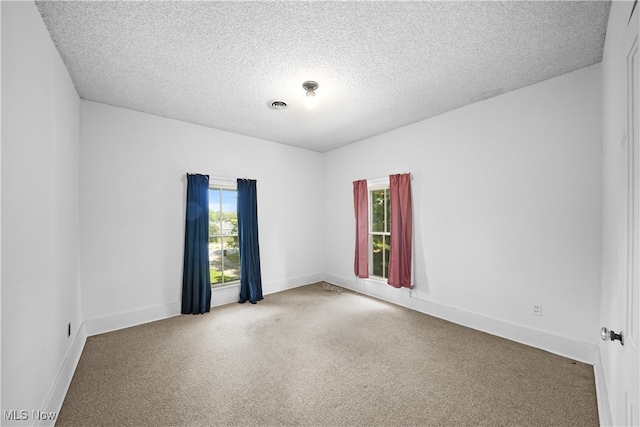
column 278, row 105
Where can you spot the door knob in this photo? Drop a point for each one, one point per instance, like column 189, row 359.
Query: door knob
column 606, row 334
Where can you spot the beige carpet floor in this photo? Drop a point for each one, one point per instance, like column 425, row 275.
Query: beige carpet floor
column 311, row 357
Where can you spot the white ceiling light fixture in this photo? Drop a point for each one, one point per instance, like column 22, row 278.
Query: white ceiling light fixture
column 310, row 86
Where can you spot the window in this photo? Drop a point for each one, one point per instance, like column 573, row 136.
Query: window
column 379, row 230
column 224, row 255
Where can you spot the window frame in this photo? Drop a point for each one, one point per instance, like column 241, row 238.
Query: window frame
column 222, row 184
column 377, row 185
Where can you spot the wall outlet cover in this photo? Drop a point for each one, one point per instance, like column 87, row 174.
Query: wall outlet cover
column 537, row 310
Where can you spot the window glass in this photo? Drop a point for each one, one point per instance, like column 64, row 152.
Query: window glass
column 380, row 236
column 224, row 254
column 378, row 209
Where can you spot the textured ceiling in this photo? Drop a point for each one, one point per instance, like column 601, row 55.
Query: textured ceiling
column 380, row 65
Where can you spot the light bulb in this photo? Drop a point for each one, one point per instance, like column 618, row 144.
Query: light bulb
column 310, row 86
column 311, row 101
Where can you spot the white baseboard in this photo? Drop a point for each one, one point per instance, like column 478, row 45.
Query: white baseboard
column 602, row 396
column 563, row 346
column 62, row 381
column 132, row 318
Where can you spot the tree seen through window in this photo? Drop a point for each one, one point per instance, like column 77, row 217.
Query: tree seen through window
column 224, row 254
column 380, row 234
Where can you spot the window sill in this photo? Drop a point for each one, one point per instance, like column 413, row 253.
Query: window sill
column 383, row 281
column 225, row 285
column 376, row 279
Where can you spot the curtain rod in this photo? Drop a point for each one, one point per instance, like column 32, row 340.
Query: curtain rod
column 228, row 179
column 219, row 178
column 387, row 177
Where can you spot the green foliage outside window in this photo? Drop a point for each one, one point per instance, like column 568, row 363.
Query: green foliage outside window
column 380, row 232
column 224, row 254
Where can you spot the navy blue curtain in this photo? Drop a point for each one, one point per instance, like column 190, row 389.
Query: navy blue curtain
column 250, row 276
column 196, row 282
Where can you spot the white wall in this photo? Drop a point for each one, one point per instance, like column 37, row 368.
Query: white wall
column 132, row 200
column 40, row 211
column 506, row 199
column 613, row 190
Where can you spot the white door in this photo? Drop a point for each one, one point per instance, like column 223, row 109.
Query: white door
column 628, row 405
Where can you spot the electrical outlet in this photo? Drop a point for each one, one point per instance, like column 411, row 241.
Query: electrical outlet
column 537, row 310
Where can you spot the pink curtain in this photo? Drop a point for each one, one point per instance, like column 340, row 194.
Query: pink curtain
column 401, row 219
column 360, row 203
